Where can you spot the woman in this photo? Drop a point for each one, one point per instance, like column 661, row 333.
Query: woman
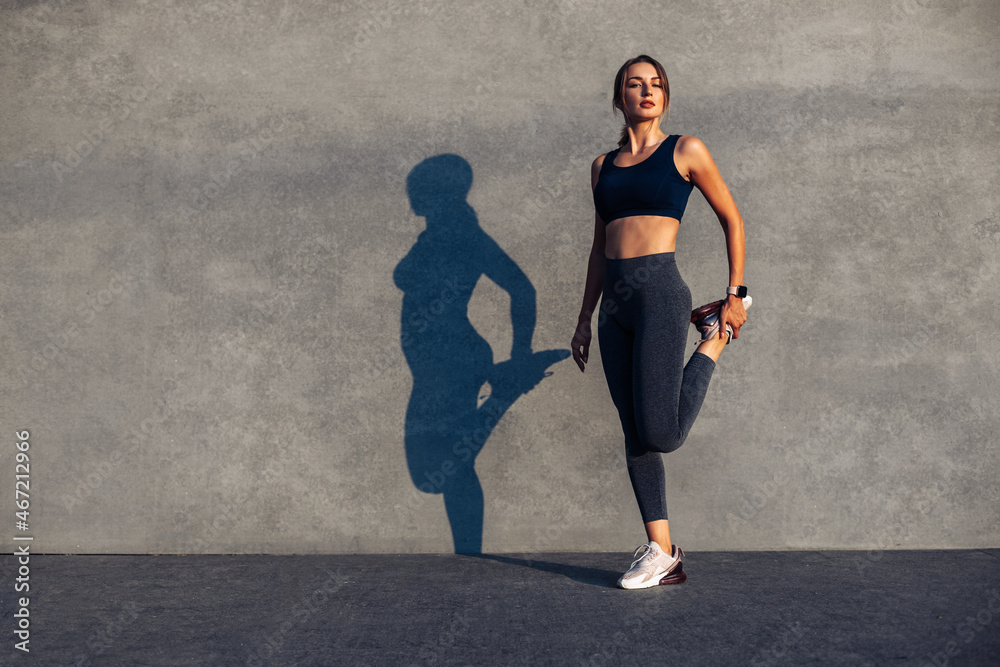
column 640, row 192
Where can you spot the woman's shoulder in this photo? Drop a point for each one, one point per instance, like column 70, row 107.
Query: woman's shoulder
column 687, row 144
column 599, row 160
column 690, row 155
column 597, row 167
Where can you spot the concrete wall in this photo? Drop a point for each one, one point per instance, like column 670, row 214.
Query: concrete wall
column 205, row 204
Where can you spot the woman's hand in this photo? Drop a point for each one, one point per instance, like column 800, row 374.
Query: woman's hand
column 732, row 313
column 581, row 343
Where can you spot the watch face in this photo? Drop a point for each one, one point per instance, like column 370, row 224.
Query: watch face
column 742, row 291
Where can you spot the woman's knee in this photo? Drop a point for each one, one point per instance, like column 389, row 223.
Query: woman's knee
column 662, row 441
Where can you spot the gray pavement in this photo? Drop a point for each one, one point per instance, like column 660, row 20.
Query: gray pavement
column 737, row 608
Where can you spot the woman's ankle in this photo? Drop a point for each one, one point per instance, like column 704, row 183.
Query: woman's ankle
column 712, row 348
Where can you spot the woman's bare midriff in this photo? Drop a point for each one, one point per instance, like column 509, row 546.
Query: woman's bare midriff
column 639, row 235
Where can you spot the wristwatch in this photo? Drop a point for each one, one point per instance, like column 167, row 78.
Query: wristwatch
column 738, row 290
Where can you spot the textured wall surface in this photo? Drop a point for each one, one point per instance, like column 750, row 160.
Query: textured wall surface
column 204, row 206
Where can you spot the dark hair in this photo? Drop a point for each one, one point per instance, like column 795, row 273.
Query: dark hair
column 618, row 97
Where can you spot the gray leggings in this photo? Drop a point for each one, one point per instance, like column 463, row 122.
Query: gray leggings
column 642, row 330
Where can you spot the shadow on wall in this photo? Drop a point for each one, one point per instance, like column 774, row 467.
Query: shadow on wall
column 446, row 426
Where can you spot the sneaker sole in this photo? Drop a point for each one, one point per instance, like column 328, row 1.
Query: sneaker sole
column 676, row 576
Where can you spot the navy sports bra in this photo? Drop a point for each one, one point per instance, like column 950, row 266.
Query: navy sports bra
column 651, row 187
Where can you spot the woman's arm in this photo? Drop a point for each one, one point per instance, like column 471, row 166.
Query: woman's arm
column 705, row 175
column 595, row 281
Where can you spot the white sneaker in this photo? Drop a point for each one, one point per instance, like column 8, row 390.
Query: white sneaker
column 652, row 566
column 706, row 319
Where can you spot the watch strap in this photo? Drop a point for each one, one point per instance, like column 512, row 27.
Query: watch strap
column 737, row 290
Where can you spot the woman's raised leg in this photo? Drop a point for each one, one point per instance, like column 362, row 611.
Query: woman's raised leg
column 668, row 393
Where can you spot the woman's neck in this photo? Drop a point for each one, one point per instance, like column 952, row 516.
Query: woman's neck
column 644, row 135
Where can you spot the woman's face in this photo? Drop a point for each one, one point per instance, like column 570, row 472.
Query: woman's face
column 643, row 97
